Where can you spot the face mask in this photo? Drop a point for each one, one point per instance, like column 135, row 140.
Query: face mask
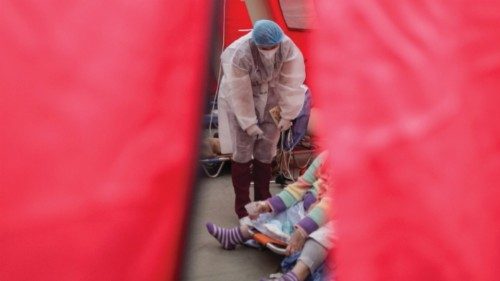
column 268, row 54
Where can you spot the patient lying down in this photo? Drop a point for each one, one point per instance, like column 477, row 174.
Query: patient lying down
column 303, row 204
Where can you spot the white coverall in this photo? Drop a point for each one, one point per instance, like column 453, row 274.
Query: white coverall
column 250, row 87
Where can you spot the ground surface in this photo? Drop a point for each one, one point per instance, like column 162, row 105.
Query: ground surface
column 205, row 259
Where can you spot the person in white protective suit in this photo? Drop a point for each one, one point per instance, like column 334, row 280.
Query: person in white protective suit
column 263, row 69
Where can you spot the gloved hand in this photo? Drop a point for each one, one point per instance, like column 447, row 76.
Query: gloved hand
column 297, row 241
column 254, row 130
column 284, row 124
column 259, row 207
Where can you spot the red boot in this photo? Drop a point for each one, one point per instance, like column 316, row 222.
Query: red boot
column 241, row 176
column 261, row 178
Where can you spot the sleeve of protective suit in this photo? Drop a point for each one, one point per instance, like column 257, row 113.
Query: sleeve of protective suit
column 290, row 81
column 240, row 91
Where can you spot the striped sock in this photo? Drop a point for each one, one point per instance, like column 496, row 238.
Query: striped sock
column 227, row 237
column 289, row 276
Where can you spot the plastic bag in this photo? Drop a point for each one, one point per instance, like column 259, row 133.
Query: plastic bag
column 280, row 226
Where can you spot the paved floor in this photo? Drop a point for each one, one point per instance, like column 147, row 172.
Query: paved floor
column 206, row 260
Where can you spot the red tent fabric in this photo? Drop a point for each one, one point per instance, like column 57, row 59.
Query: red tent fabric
column 100, row 108
column 99, row 116
column 410, row 93
column 236, row 21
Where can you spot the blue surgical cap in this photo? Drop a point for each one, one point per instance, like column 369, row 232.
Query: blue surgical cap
column 267, row 33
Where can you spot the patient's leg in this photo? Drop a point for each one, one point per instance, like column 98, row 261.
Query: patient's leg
column 289, row 276
column 312, row 256
column 229, row 237
column 301, row 271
